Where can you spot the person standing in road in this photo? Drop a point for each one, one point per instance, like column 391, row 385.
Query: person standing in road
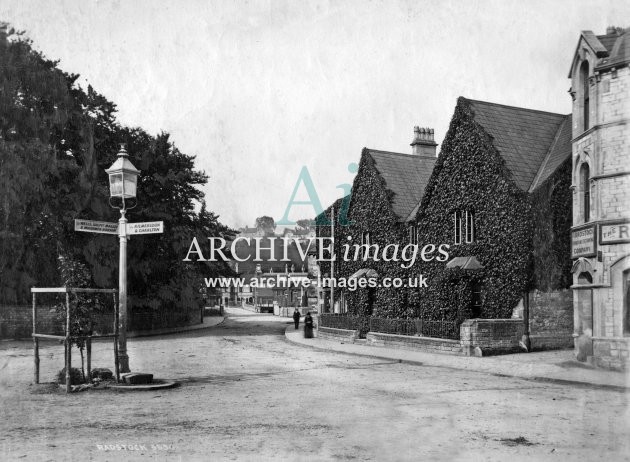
column 296, row 318
column 308, row 325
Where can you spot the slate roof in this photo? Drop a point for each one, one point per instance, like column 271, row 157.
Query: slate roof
column 619, row 51
column 559, row 151
column 406, row 175
column 532, row 143
column 608, row 41
column 612, row 49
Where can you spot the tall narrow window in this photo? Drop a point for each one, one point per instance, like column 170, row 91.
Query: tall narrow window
column 586, row 191
column 365, row 238
column 585, row 94
column 413, row 235
column 458, row 227
column 470, row 226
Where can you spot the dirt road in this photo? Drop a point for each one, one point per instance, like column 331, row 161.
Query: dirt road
column 247, row 394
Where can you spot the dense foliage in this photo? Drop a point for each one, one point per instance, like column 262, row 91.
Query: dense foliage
column 371, row 211
column 521, row 239
column 56, row 139
column 551, row 218
column 471, row 175
column 266, row 224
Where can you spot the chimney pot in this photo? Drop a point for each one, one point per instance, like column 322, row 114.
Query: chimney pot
column 423, row 143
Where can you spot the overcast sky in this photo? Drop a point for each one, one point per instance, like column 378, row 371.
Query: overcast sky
column 258, row 89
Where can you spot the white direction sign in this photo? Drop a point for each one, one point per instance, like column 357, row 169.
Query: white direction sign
column 96, row 226
column 148, row 227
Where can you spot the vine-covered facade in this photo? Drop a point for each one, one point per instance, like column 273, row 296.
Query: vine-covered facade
column 500, row 202
column 498, row 196
column 385, row 197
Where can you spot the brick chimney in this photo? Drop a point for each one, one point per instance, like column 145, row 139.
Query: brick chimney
column 423, row 143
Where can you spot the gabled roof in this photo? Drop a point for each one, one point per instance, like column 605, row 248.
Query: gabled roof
column 527, row 139
column 406, row 175
column 610, row 49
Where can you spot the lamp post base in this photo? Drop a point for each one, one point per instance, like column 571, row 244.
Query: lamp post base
column 123, row 362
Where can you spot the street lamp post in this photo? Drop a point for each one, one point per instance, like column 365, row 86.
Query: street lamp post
column 123, row 179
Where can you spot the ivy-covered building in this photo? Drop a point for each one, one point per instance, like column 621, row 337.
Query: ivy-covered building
column 499, row 196
column 600, row 185
column 386, row 194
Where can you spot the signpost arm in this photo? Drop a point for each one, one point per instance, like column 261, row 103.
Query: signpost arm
column 123, row 359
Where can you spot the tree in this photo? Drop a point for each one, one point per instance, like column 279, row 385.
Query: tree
column 305, row 224
column 266, row 224
column 56, row 140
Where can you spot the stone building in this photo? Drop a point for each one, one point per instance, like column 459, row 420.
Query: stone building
column 600, row 237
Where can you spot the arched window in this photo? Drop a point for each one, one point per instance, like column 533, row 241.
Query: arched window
column 585, row 93
column 586, row 191
column 585, row 278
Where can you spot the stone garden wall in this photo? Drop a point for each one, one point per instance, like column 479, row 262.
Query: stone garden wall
column 483, row 337
column 551, row 319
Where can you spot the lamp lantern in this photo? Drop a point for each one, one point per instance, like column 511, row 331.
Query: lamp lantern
column 123, row 176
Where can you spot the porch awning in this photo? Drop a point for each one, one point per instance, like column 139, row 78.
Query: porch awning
column 366, row 273
column 466, row 263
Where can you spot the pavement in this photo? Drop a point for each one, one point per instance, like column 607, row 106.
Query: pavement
column 557, row 366
column 208, row 321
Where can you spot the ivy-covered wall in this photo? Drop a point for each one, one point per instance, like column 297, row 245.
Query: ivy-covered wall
column 471, row 175
column 551, row 205
column 521, row 239
column 371, row 210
